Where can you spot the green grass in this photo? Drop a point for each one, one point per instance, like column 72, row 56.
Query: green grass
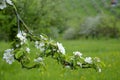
column 107, row 50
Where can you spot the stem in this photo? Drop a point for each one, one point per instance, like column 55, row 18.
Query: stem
column 19, row 19
column 29, row 67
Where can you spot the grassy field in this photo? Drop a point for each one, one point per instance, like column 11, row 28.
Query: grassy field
column 107, row 50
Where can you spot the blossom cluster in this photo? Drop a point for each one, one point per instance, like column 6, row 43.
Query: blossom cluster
column 28, row 50
column 39, row 59
column 22, row 36
column 77, row 53
column 86, row 60
column 40, row 45
column 4, row 3
column 9, row 56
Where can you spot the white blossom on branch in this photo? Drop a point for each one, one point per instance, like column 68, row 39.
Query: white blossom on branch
column 40, row 45
column 3, row 3
column 9, row 2
column 88, row 60
column 61, row 48
column 39, row 59
column 22, row 36
column 28, row 50
column 77, row 53
column 8, row 56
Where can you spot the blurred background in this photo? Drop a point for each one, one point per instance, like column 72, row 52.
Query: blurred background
column 89, row 26
column 68, row 19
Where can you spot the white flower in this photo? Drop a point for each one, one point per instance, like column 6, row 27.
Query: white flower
column 42, row 49
column 77, row 53
column 3, row 4
column 68, row 67
column 36, row 44
column 17, row 45
column 60, row 48
column 8, row 56
column 39, row 59
column 19, row 35
column 23, row 33
column 9, row 2
column 99, row 70
column 80, row 64
column 22, row 36
column 42, row 37
column 40, row 45
column 28, row 50
column 88, row 60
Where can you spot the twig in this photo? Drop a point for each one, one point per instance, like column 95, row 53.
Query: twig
column 19, row 19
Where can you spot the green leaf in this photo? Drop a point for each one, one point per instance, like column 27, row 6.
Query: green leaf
column 48, row 52
column 18, row 54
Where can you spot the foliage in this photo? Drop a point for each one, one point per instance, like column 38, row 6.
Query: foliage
column 8, row 24
column 108, row 27
column 89, row 27
column 46, row 14
column 70, row 33
column 98, row 15
column 40, row 15
column 100, row 26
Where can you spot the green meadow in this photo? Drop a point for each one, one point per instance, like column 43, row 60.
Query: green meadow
column 107, row 50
